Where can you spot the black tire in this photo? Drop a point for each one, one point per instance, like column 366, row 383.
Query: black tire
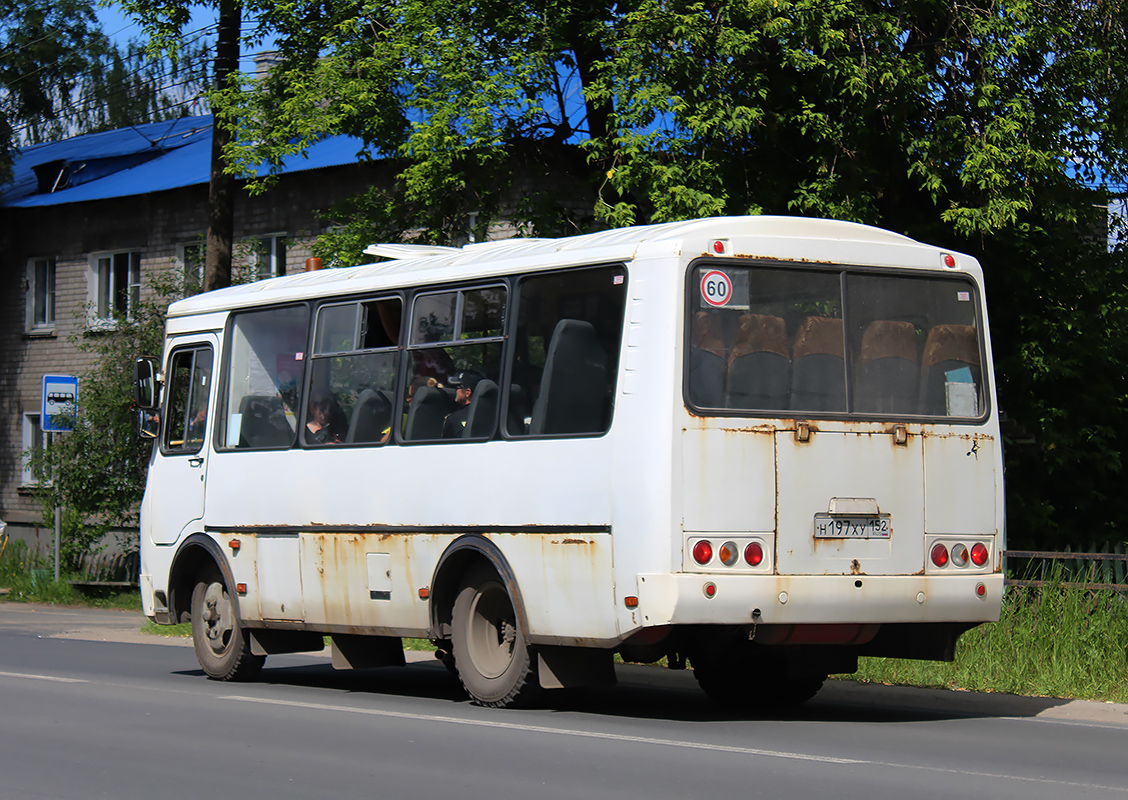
column 495, row 664
column 754, row 687
column 223, row 648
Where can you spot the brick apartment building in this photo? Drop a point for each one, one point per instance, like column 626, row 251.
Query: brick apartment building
column 85, row 220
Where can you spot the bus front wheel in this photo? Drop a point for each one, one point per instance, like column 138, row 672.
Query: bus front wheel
column 493, row 659
column 223, row 647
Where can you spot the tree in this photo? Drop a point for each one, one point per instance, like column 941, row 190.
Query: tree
column 97, row 470
column 45, row 50
column 995, row 129
column 60, row 76
column 164, row 22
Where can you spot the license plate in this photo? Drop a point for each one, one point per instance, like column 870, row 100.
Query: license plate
column 828, row 527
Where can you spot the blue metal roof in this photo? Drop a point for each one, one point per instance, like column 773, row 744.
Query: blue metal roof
column 138, row 160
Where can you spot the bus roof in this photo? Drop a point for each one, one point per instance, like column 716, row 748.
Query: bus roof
column 413, row 265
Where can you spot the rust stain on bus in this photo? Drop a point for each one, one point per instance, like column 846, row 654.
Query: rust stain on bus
column 773, row 259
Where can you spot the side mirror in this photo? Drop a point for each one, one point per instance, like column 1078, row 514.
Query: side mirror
column 146, row 384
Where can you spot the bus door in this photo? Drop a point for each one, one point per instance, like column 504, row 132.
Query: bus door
column 177, row 477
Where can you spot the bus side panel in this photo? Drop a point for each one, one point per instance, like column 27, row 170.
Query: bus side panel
column 566, row 584
column 365, row 581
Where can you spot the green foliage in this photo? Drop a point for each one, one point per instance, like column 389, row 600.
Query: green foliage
column 998, row 130
column 97, row 470
column 1055, row 642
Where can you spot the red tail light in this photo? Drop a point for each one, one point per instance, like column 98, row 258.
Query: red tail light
column 979, row 554
column 754, row 554
column 703, row 552
column 939, row 554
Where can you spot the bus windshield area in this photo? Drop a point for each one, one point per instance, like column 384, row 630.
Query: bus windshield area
column 802, row 341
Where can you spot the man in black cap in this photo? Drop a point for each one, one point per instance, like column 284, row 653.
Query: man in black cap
column 465, row 383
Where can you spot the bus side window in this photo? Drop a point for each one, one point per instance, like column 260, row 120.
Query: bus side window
column 353, row 373
column 455, row 345
column 566, row 357
column 264, row 378
column 187, row 414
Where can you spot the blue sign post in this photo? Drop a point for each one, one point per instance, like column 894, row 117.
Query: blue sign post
column 60, row 403
column 57, row 413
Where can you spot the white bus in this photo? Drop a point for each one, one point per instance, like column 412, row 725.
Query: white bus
column 766, row 445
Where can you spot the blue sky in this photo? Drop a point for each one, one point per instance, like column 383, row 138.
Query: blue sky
column 121, row 28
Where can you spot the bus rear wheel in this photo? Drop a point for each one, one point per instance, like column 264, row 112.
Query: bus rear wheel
column 495, row 664
column 223, row 647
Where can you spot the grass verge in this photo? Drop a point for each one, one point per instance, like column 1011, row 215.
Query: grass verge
column 1050, row 642
column 32, row 580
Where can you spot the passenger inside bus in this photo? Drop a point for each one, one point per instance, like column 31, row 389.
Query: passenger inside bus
column 466, row 384
column 324, row 420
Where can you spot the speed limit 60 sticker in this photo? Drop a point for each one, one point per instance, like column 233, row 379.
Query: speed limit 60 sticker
column 716, row 288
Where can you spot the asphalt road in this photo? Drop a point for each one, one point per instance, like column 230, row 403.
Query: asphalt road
column 89, row 708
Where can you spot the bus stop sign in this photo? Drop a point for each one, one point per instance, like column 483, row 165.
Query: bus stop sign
column 60, row 403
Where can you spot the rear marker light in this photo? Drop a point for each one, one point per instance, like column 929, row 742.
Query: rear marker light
column 754, row 554
column 719, row 247
column 981, row 590
column 240, row 588
column 979, row 554
column 630, row 602
column 728, row 553
column 424, row 593
column 703, row 552
column 710, row 589
column 959, row 555
column 949, row 260
column 939, row 554
column 234, row 544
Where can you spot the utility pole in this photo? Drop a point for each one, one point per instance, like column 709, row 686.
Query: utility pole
column 221, row 189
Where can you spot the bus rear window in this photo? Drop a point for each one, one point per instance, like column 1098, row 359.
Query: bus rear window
column 794, row 342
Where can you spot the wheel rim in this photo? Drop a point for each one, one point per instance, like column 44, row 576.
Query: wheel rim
column 492, row 631
column 219, row 618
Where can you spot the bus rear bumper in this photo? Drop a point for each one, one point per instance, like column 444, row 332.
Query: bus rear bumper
column 703, row 599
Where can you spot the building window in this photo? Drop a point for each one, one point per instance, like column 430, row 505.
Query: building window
column 192, row 257
column 269, row 257
column 117, row 284
column 41, row 293
column 35, row 442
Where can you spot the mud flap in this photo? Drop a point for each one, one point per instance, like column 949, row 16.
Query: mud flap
column 574, row 667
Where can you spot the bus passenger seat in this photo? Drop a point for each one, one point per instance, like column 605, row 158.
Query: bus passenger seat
column 429, row 409
column 263, row 422
column 818, row 371
column 951, row 355
column 760, row 364
column 888, row 368
column 481, row 419
column 707, row 364
column 371, row 416
column 574, row 385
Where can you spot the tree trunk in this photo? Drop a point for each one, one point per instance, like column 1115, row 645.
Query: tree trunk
column 221, row 190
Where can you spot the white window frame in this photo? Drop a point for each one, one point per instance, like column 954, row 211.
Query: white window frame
column 102, row 290
column 269, row 257
column 34, row 438
column 184, row 260
column 47, row 323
